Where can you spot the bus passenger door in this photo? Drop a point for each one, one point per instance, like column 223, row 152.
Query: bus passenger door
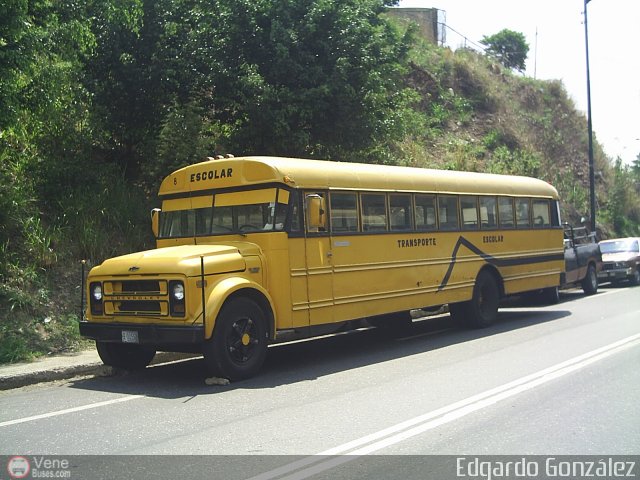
column 319, row 259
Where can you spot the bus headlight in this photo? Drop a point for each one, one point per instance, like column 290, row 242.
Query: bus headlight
column 95, row 298
column 178, row 291
column 176, row 298
column 96, row 292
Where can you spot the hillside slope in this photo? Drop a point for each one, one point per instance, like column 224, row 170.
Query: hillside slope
column 482, row 117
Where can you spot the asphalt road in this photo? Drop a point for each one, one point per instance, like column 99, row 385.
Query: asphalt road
column 557, row 380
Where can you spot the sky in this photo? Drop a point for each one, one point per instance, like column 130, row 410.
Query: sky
column 558, row 52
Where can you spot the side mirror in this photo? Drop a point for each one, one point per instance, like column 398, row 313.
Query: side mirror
column 155, row 221
column 315, row 212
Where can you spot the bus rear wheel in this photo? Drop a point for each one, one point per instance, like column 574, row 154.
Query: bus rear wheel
column 550, row 296
column 124, row 355
column 238, row 346
column 482, row 310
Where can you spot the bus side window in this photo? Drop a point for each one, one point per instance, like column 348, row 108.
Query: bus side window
column 400, row 216
column 374, row 212
column 469, row 209
column 505, row 212
column 555, row 213
column 448, row 212
column 522, row 212
column 541, row 217
column 344, row 212
column 488, row 212
column 426, row 212
column 296, row 213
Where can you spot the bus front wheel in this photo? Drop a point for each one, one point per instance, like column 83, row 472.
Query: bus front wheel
column 238, row 346
column 482, row 310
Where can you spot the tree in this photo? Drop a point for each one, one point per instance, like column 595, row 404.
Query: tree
column 635, row 168
column 287, row 77
column 509, row 47
column 303, row 77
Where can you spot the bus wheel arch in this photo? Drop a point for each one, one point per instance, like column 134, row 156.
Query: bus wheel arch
column 238, row 346
column 230, row 289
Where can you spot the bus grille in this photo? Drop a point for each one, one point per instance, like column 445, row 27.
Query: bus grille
column 142, row 286
column 136, row 297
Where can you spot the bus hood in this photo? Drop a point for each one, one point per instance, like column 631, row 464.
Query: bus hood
column 183, row 259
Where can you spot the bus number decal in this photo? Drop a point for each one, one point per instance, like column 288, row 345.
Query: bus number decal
column 417, row 242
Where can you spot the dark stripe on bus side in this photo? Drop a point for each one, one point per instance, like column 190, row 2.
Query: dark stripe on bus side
column 506, row 262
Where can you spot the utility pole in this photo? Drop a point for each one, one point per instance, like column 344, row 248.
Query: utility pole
column 592, row 182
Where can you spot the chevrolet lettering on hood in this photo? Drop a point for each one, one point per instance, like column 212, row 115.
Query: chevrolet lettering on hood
column 134, row 269
column 121, row 298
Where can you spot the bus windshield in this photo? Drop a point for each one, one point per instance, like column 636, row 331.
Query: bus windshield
column 241, row 212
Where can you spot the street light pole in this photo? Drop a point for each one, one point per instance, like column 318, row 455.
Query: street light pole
column 592, row 182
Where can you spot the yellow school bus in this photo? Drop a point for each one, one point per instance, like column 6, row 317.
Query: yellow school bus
column 255, row 250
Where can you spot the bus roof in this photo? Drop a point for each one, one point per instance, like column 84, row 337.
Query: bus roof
column 320, row 174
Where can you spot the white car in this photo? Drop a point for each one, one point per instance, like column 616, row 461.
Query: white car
column 621, row 260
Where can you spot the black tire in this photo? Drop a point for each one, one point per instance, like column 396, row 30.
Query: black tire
column 550, row 296
column 459, row 313
column 238, row 346
column 590, row 281
column 482, row 310
column 125, row 355
column 635, row 278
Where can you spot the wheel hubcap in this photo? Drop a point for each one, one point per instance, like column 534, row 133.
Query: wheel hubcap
column 242, row 340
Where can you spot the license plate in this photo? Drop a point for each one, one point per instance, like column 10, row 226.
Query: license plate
column 130, row 336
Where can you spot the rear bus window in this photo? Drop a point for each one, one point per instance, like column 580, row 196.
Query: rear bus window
column 541, row 216
column 522, row 212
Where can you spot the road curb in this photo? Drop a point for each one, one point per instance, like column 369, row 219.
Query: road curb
column 52, row 373
column 9, row 382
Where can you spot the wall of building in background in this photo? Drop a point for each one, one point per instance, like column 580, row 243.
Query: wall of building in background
column 426, row 18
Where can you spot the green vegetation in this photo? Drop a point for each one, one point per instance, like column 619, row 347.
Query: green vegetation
column 101, row 99
column 509, row 47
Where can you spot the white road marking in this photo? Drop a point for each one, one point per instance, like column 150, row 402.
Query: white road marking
column 368, row 444
column 69, row 410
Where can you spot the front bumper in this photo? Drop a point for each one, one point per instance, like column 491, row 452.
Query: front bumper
column 616, row 274
column 145, row 334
